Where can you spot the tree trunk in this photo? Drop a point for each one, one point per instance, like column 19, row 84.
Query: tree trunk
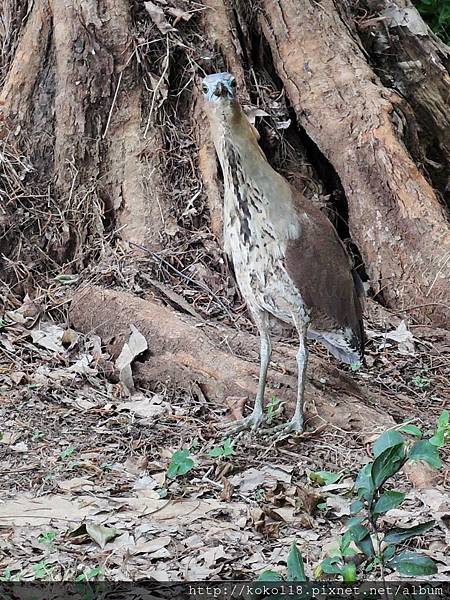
column 347, row 112
column 104, row 140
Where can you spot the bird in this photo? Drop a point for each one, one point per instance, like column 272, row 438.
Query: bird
column 289, row 262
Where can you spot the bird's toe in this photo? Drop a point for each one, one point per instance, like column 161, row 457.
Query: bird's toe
column 295, row 426
column 250, row 423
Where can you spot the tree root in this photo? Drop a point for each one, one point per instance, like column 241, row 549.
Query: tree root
column 223, row 363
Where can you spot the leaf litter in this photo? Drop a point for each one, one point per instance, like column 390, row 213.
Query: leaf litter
column 86, row 455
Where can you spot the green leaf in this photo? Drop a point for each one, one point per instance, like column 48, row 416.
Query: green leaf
column 388, row 501
column 411, row 430
column 443, row 419
column 387, row 464
column 348, row 572
column 438, row 438
column 324, row 477
column 345, row 548
column 89, row 575
column 413, row 564
column 421, row 382
column 331, row 565
column 101, row 534
column 388, row 553
column 356, row 506
column 227, row 448
column 354, row 521
column 47, row 537
column 42, row 569
column 361, row 536
column 66, row 453
column 270, row 576
column 222, row 451
column 180, row 464
column 216, row 452
column 295, row 566
column 401, row 534
column 423, row 450
column 272, row 409
column 364, row 483
column 387, row 440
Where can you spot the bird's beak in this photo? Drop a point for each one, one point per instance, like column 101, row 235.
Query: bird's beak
column 221, row 90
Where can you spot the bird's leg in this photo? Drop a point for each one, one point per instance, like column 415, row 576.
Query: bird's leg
column 254, row 420
column 297, row 422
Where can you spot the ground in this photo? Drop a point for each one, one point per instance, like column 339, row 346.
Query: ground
column 84, row 467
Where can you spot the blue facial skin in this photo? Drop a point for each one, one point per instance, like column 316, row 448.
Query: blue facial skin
column 219, row 85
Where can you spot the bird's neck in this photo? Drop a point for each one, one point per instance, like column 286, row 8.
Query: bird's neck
column 235, row 139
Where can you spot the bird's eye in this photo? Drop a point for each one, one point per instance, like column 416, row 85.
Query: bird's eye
column 233, row 83
column 205, row 88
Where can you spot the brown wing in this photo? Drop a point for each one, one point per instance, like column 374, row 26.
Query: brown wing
column 320, row 267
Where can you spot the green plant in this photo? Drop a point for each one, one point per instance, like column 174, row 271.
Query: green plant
column 437, row 14
column 421, row 382
column 295, row 568
column 180, row 464
column 65, row 454
column 42, row 570
column 89, row 574
column 222, row 451
column 9, row 577
column 339, row 563
column 442, row 435
column 377, row 548
column 273, row 409
column 47, row 537
column 324, row 477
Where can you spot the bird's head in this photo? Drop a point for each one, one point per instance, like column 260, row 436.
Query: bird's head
column 219, row 91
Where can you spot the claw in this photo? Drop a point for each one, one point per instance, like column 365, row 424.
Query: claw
column 295, row 426
column 252, row 423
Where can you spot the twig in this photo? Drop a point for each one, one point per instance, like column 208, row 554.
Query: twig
column 163, row 74
column 200, row 284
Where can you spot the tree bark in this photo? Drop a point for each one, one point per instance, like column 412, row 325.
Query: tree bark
column 412, row 60
column 103, row 132
column 182, row 353
column 347, row 112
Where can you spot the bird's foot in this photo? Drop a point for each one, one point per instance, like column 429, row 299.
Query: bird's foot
column 252, row 423
column 295, row 426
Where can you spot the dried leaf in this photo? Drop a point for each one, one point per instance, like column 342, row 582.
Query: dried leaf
column 410, row 18
column 146, row 407
column 158, row 17
column 17, row 376
column 48, row 336
column 309, row 499
column 339, row 505
column 404, row 338
column 75, row 484
column 152, row 546
column 101, row 534
column 179, row 14
column 131, row 349
column 212, row 555
column 20, row 447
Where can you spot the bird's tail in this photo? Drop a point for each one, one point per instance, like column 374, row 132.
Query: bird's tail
column 340, row 344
